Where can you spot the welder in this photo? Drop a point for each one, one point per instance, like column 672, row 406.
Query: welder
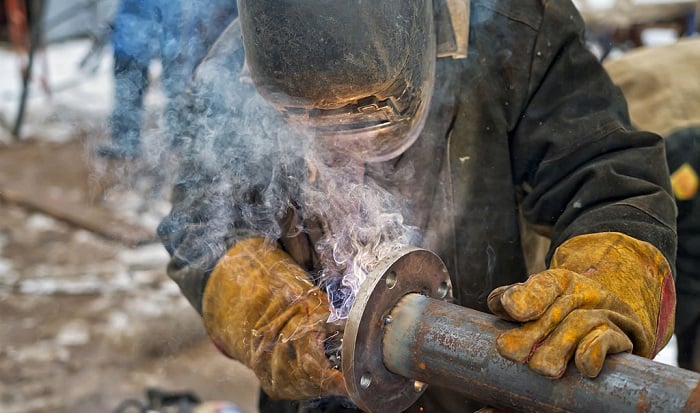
column 501, row 120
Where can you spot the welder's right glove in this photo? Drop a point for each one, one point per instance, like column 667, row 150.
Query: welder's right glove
column 604, row 293
column 260, row 308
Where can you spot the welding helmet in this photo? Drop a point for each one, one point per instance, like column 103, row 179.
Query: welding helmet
column 357, row 74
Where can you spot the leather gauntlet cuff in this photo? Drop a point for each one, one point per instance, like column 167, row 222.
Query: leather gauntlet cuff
column 633, row 270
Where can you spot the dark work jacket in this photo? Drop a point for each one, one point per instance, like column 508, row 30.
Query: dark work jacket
column 683, row 147
column 528, row 125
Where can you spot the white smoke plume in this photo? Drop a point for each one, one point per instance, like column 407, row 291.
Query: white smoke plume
column 364, row 224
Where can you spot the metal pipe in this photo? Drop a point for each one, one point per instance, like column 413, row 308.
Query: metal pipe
column 451, row 346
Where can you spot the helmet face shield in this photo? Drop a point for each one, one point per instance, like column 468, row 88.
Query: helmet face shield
column 358, row 75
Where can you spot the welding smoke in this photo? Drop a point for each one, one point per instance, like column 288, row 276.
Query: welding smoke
column 364, row 223
column 245, row 168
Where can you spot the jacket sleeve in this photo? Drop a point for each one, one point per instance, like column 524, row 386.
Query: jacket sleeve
column 581, row 167
column 234, row 180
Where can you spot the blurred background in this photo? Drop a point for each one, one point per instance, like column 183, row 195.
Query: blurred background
column 89, row 317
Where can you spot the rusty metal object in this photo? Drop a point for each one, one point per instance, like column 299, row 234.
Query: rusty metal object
column 370, row 385
column 452, row 346
column 428, row 340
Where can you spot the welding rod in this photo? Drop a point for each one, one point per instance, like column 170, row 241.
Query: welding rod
column 447, row 345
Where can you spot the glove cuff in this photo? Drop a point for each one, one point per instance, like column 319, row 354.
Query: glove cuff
column 633, row 270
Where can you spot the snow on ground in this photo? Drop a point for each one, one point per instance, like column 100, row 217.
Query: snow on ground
column 73, row 94
column 64, row 96
column 669, row 354
column 68, row 99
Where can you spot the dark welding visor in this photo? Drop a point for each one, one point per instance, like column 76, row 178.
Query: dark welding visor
column 357, row 74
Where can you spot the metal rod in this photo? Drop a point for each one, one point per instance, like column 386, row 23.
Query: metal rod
column 34, row 17
column 451, row 346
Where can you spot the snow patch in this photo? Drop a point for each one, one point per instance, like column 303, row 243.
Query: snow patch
column 654, row 37
column 669, row 354
column 5, row 268
column 118, row 321
column 149, row 256
column 44, row 352
column 74, row 333
column 40, row 222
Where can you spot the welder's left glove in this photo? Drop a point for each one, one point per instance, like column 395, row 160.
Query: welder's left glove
column 260, row 308
column 604, row 293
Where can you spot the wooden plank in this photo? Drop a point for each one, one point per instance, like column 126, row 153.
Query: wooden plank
column 92, row 219
column 57, row 179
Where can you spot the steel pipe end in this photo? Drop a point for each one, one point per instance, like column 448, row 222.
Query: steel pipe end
column 370, row 385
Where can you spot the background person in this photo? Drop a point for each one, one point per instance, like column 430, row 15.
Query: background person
column 179, row 33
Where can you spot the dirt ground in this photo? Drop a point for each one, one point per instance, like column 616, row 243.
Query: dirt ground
column 88, row 321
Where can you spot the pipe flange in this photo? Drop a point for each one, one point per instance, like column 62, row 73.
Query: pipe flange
column 370, row 385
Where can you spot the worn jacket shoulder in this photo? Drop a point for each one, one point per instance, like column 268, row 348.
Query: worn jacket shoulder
column 528, row 12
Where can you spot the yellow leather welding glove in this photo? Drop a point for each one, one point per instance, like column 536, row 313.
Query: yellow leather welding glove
column 604, row 293
column 260, row 308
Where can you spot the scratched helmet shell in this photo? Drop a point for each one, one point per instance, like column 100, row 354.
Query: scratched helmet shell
column 357, row 74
